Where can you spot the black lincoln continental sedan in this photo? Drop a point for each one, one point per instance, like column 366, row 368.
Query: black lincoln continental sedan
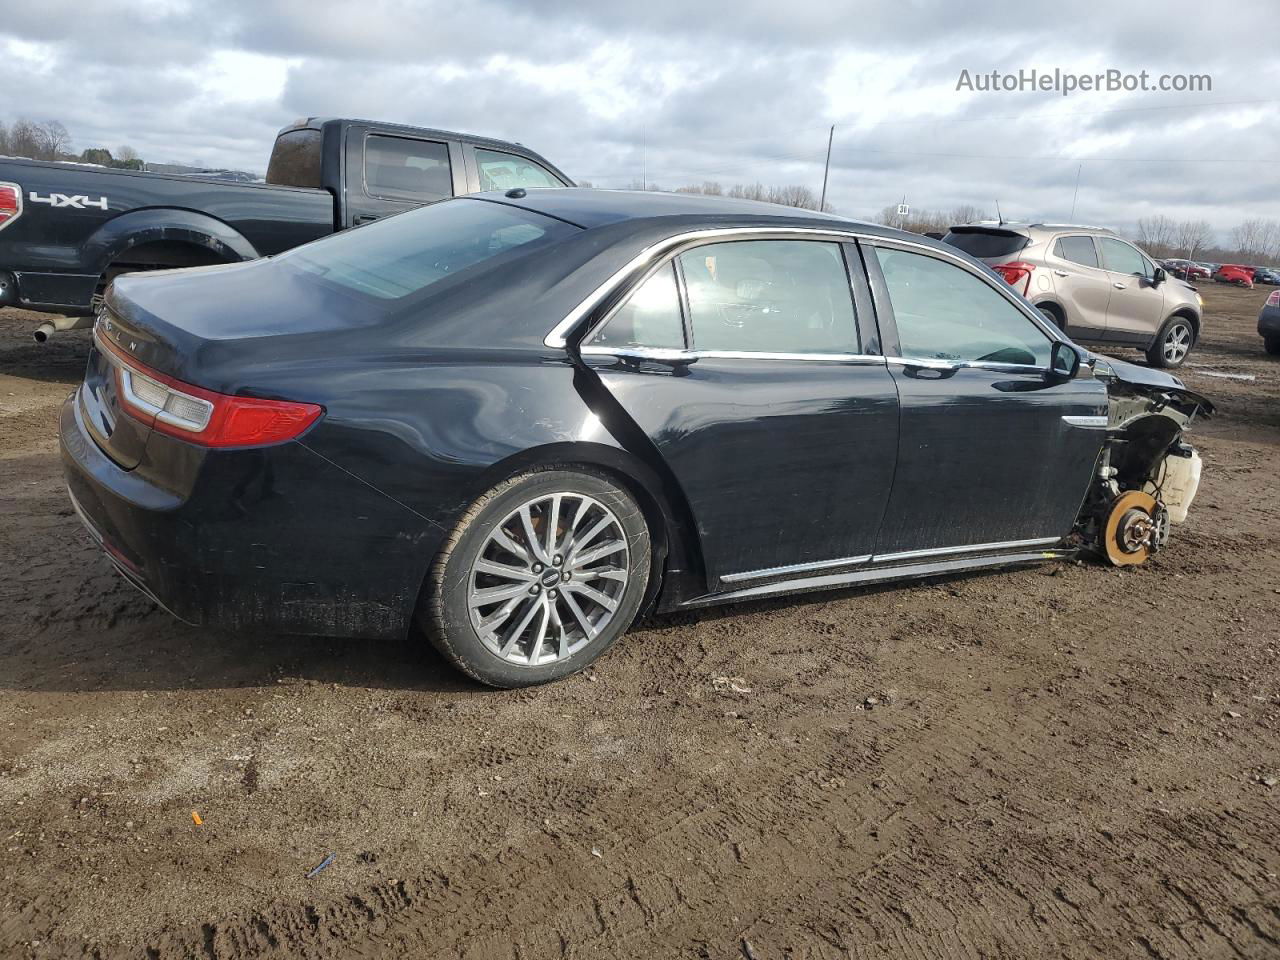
column 516, row 421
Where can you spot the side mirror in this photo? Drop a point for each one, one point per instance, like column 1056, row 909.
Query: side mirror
column 1064, row 360
column 1159, row 276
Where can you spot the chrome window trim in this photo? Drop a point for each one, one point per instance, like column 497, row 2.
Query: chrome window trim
column 670, row 353
column 970, row 548
column 558, row 336
column 934, row 363
column 793, row 568
column 1090, row 422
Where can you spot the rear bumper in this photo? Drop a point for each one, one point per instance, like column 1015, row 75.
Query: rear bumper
column 1269, row 322
column 274, row 538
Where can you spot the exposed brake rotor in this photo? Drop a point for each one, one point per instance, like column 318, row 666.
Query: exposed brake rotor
column 1132, row 531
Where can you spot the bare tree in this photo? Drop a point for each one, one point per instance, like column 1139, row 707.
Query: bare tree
column 968, row 213
column 1255, row 238
column 4, row 139
column 1191, row 237
column 1156, row 235
column 708, row 187
column 24, row 140
column 52, row 139
column 126, row 153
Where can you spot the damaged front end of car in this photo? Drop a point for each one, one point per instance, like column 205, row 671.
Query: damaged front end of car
column 1147, row 475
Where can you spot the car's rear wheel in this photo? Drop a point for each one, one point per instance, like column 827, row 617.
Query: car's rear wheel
column 542, row 574
column 1273, row 346
column 1172, row 343
column 1053, row 316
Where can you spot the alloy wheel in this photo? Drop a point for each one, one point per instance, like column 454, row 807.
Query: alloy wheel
column 549, row 579
column 1177, row 342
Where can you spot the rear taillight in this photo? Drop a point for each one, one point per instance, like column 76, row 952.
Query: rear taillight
column 1273, row 300
column 202, row 416
column 1016, row 273
column 10, row 203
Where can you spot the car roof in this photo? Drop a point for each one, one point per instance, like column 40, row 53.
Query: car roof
column 591, row 207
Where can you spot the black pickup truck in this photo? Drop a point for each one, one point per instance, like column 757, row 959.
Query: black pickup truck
column 67, row 229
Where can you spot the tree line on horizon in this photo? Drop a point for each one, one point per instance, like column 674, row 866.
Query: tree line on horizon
column 50, row 140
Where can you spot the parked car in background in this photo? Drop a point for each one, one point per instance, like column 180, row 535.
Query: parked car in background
column 1091, row 283
column 525, row 418
column 1188, row 271
column 1266, row 275
column 1269, row 323
column 1236, row 274
column 67, row 230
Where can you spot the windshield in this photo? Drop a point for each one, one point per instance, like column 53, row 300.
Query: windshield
column 404, row 254
column 986, row 244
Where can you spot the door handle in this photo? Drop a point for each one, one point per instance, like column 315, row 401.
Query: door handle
column 1120, row 286
column 1061, row 273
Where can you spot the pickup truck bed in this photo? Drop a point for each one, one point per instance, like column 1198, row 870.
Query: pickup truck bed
column 68, row 229
column 73, row 228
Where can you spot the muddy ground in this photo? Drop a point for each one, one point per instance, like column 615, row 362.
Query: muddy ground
column 1068, row 761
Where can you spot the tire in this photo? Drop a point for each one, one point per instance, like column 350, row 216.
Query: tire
column 1272, row 345
column 1051, row 314
column 1172, row 344
column 535, row 621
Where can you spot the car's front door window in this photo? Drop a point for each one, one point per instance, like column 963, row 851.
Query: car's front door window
column 946, row 313
column 770, row 297
column 1119, row 257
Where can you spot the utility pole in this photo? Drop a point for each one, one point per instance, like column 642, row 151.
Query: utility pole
column 822, row 203
column 1079, row 167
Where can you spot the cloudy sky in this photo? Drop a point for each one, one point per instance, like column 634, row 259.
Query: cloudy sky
column 681, row 92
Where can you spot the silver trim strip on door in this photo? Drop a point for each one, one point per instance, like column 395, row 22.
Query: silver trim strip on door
column 1089, row 422
column 675, row 354
column 971, row 548
column 793, row 568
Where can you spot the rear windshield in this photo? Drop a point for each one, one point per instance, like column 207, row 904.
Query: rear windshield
column 404, row 254
column 295, row 159
column 986, row 244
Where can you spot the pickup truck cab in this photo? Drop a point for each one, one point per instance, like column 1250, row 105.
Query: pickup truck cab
column 68, row 229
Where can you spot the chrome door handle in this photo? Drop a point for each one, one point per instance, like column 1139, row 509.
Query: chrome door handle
column 1120, row 286
column 1061, row 273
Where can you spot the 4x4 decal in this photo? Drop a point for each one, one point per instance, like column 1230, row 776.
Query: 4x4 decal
column 78, row 202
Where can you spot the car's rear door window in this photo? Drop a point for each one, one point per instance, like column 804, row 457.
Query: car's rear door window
column 649, row 317
column 1077, row 249
column 944, row 312
column 770, row 296
column 402, row 168
column 502, row 171
column 1119, row 257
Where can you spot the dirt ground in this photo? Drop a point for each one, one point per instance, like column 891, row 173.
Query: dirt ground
column 1068, row 761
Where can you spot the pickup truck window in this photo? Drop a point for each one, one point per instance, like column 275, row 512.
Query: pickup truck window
column 398, row 168
column 502, row 171
column 295, row 159
column 402, row 255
